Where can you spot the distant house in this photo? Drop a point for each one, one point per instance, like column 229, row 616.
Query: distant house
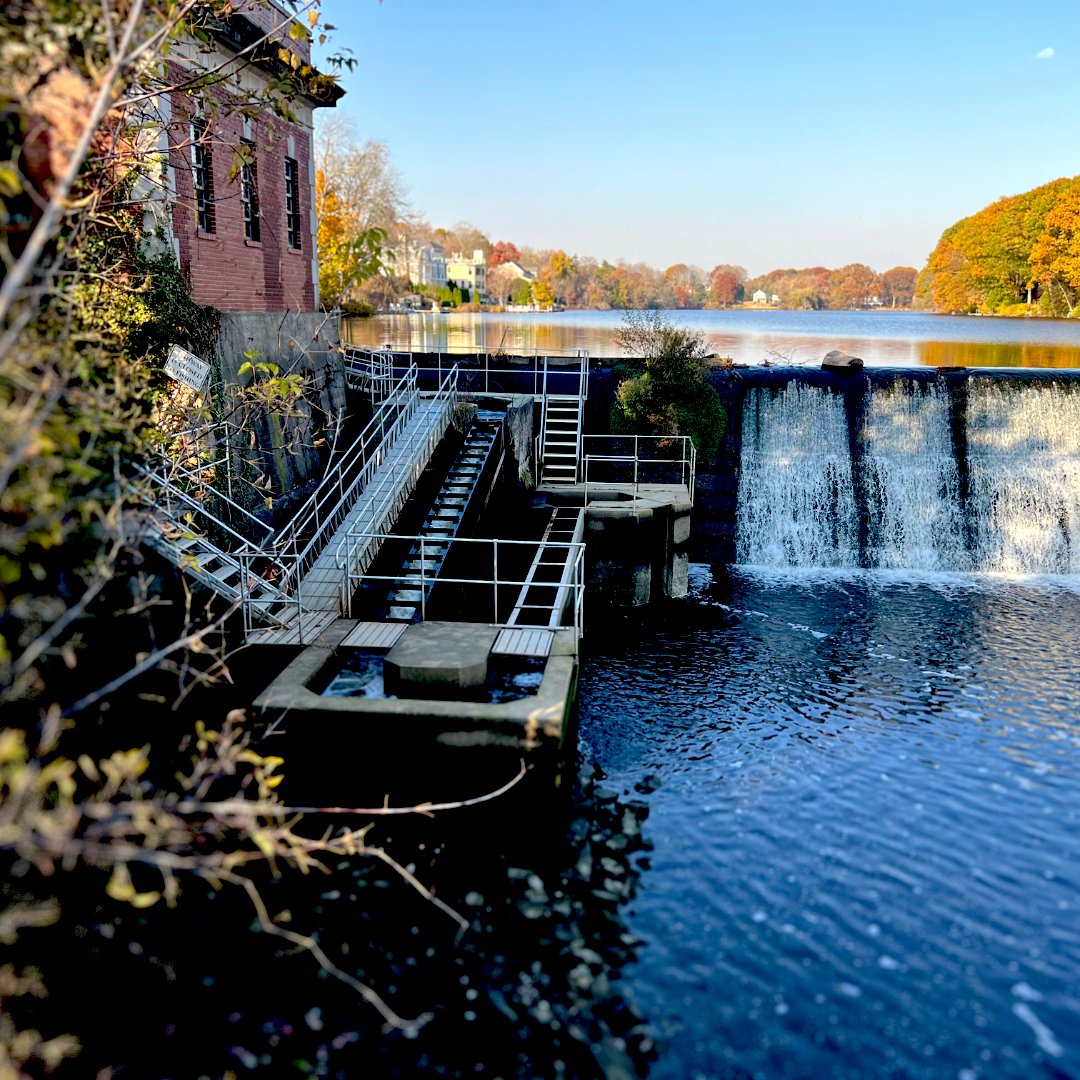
column 519, row 270
column 760, row 297
column 468, row 272
column 424, row 264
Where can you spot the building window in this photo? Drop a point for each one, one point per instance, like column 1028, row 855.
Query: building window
column 249, row 194
column 202, row 175
column 292, row 202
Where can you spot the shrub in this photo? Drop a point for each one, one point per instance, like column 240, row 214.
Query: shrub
column 672, row 395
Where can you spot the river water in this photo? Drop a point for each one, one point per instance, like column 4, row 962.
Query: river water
column 863, row 796
column 749, row 336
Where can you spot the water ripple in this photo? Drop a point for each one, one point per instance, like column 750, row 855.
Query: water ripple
column 866, row 826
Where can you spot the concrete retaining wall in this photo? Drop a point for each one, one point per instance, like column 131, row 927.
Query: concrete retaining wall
column 285, row 448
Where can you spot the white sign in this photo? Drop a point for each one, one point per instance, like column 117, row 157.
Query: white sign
column 187, row 368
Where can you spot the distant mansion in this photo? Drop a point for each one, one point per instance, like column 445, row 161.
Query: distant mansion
column 427, row 264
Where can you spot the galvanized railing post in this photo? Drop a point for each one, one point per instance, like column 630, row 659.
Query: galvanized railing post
column 423, row 582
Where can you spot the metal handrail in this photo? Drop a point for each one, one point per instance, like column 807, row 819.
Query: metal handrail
column 687, row 460
column 165, row 487
column 328, row 505
column 349, row 555
column 358, row 356
column 575, row 564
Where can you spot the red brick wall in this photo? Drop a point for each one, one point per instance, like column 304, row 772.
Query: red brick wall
column 276, row 22
column 227, row 271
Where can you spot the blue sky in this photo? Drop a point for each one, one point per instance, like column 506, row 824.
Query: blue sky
column 767, row 135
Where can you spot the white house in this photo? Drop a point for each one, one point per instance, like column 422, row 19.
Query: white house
column 760, row 297
column 423, row 264
column 468, row 272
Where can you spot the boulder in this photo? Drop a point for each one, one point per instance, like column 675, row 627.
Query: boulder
column 839, row 361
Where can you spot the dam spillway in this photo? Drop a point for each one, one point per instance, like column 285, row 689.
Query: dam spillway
column 970, row 471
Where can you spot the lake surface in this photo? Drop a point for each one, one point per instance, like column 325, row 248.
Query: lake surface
column 863, row 795
column 750, row 337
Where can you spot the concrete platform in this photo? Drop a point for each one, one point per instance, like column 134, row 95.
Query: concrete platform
column 648, row 496
column 530, row 723
column 442, row 653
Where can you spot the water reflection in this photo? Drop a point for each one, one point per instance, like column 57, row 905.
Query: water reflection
column 886, row 337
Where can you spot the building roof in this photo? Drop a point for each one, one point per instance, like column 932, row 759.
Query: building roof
column 274, row 51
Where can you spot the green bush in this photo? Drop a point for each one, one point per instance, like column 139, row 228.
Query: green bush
column 672, row 395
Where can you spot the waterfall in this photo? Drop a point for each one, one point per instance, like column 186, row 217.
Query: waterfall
column 911, row 482
column 1024, row 478
column 796, row 501
column 910, row 474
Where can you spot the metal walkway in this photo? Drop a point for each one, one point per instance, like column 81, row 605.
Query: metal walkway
column 549, row 583
column 323, row 587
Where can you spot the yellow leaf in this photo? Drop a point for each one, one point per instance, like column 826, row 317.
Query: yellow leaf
column 264, row 843
column 120, row 887
column 10, row 184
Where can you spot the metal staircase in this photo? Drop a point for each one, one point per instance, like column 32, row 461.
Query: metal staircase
column 561, row 446
column 188, row 534
column 562, row 416
column 409, row 595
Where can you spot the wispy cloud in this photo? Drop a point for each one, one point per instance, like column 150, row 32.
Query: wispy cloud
column 1044, row 54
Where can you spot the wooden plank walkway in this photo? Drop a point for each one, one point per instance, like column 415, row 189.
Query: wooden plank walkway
column 298, row 631
column 522, row 642
column 374, row 635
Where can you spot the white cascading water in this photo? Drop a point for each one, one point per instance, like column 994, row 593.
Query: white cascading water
column 911, row 483
column 796, row 506
column 799, row 506
column 1024, row 477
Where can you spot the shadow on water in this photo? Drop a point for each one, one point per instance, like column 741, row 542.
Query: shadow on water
column 528, row 987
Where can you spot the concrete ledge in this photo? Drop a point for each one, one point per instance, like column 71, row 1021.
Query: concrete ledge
column 526, row 724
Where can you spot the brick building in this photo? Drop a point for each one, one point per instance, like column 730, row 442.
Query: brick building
column 237, row 207
column 242, row 186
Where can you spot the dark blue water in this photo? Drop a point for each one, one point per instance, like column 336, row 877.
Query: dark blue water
column 865, row 806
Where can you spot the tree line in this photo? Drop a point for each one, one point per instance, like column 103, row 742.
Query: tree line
column 366, row 225
column 1019, row 255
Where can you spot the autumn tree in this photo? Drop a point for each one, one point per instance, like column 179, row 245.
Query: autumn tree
column 359, row 196
column 679, row 283
column 724, row 287
column 1055, row 258
column 348, row 255
column 502, row 252
column 985, row 262
column 853, row 286
column 898, row 286
column 558, row 274
column 542, row 294
column 463, row 237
